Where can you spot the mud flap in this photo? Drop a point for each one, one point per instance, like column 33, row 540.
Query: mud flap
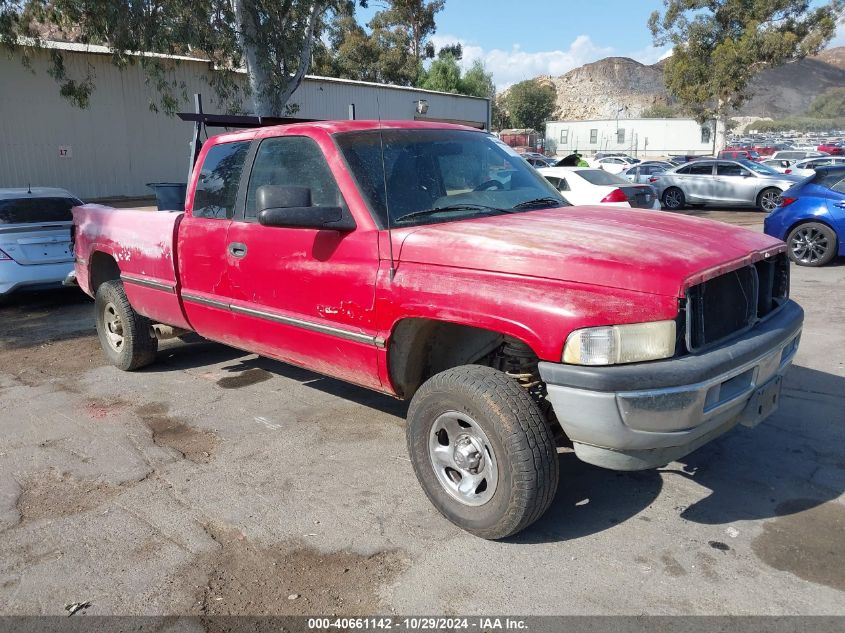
column 763, row 403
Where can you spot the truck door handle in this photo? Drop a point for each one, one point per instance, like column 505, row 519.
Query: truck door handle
column 237, row 249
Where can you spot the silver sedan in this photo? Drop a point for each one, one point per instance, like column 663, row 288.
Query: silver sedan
column 723, row 182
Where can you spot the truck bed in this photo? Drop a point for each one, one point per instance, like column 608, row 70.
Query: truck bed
column 141, row 243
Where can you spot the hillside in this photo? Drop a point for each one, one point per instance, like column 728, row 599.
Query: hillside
column 599, row 89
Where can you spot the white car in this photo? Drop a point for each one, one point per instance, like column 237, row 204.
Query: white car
column 612, row 164
column 778, row 164
column 807, row 167
column 589, row 186
column 35, row 249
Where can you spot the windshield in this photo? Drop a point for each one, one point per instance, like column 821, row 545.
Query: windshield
column 441, row 175
column 760, row 168
column 601, row 177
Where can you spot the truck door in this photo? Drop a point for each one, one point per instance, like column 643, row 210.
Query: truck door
column 303, row 295
column 202, row 248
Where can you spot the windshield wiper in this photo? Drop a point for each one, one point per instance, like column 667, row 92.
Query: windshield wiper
column 547, row 201
column 463, row 206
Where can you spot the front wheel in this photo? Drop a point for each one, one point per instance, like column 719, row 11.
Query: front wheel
column 811, row 244
column 482, row 451
column 674, row 199
column 769, row 199
column 125, row 336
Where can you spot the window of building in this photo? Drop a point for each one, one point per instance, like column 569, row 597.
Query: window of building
column 564, row 137
column 292, row 160
column 705, row 133
column 620, row 135
column 217, row 187
column 594, row 137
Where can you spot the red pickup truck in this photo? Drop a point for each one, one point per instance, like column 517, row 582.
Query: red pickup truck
column 430, row 262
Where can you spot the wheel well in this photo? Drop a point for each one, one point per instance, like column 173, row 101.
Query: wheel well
column 798, row 223
column 101, row 267
column 421, row 348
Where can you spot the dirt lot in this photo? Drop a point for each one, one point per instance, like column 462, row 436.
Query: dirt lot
column 217, row 482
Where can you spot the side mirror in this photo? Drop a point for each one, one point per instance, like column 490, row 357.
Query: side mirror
column 291, row 207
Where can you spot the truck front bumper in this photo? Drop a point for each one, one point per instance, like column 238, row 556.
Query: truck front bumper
column 645, row 415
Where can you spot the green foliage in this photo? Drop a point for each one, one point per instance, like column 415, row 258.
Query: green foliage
column 800, row 124
column 392, row 51
column 530, row 104
column 443, row 75
column 660, row 111
column 829, row 105
column 720, row 45
column 272, row 39
column 477, row 82
column 455, row 50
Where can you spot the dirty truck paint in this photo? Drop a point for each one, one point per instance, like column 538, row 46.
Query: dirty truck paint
column 535, row 275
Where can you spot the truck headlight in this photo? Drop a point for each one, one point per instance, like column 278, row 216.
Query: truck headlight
column 616, row 344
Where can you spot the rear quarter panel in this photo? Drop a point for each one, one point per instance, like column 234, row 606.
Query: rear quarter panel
column 141, row 243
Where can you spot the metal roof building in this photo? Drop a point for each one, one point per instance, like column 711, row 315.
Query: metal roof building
column 118, row 144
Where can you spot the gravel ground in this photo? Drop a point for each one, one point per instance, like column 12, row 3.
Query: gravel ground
column 218, row 482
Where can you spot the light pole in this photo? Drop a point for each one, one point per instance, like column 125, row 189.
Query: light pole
column 622, row 109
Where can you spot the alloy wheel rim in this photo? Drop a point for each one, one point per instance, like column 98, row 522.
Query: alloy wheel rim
column 673, row 200
column 809, row 245
column 770, row 200
column 113, row 327
column 463, row 459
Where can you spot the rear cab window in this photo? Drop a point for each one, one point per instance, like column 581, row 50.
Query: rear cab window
column 37, row 210
column 220, row 175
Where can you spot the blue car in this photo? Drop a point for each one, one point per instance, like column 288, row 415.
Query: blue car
column 811, row 218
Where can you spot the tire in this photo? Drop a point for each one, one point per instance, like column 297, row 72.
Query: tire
column 768, row 199
column 470, row 407
column 812, row 244
column 125, row 335
column 673, row 199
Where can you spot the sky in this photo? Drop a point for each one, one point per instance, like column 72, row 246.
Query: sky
column 520, row 39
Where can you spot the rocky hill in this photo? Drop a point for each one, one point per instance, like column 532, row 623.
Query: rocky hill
column 599, row 89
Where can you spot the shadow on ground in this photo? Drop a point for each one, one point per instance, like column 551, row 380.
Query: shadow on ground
column 34, row 318
column 789, row 464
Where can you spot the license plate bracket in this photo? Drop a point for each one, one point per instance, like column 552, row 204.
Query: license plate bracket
column 763, row 403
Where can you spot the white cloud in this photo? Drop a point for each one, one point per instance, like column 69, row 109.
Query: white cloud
column 514, row 65
column 511, row 66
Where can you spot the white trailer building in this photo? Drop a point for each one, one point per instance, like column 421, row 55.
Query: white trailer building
column 117, row 145
column 638, row 137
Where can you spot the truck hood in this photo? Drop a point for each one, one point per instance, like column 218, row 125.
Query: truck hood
column 645, row 251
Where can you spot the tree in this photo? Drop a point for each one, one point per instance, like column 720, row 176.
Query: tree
column 392, row 51
column 659, row 111
column 530, row 104
column 477, row 82
column 720, row 45
column 272, row 40
column 828, row 105
column 443, row 75
column 455, row 50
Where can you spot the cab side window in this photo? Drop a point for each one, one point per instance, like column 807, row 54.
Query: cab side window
column 730, row 169
column 292, row 161
column 217, row 187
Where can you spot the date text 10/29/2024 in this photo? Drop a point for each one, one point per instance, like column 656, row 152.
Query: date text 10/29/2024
column 480, row 624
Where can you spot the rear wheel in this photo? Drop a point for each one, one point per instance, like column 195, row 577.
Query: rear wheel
column 768, row 199
column 674, row 199
column 125, row 336
column 482, row 451
column 812, row 244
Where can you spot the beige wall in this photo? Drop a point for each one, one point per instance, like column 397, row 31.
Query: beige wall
column 118, row 144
